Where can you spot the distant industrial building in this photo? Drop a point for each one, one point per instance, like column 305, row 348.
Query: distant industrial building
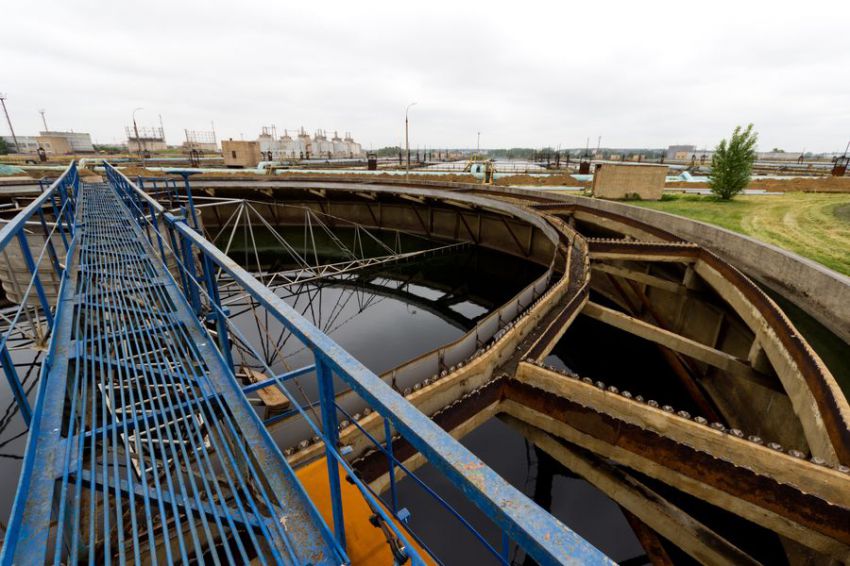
column 200, row 140
column 302, row 146
column 79, row 142
column 149, row 139
column 240, row 153
column 679, row 152
column 25, row 144
column 622, row 181
column 53, row 143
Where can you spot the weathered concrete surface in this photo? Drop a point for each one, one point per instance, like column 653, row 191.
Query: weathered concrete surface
column 622, row 181
column 821, row 292
column 804, row 501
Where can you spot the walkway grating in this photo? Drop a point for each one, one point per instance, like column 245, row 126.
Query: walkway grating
column 144, row 449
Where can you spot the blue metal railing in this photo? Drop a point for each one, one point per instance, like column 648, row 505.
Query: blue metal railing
column 48, row 216
column 538, row 533
column 142, row 446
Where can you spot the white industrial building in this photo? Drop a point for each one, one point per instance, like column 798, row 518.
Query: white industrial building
column 71, row 142
column 80, row 142
column 303, row 146
column 26, row 144
column 145, row 139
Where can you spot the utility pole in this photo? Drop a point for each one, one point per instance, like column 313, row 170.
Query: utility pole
column 478, row 145
column 138, row 141
column 407, row 141
column 9, row 121
column 43, row 120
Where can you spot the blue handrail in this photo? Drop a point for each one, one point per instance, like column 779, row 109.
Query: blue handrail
column 542, row 536
column 58, row 200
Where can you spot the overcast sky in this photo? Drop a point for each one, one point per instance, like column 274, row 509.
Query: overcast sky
column 639, row 74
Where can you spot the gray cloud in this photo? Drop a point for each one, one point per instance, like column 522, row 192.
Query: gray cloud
column 525, row 74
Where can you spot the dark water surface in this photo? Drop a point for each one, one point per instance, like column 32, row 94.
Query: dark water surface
column 383, row 331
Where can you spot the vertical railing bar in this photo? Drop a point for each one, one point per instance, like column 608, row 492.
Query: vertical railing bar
column 388, row 439
column 331, row 433
column 15, row 385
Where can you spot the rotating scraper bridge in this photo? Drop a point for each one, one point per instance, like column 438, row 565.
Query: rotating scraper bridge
column 146, row 443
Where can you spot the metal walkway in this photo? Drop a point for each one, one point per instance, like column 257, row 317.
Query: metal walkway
column 144, row 440
column 143, row 448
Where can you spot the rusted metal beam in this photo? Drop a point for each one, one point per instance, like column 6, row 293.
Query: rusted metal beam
column 640, row 277
column 684, row 373
column 514, row 236
column 649, row 508
column 650, row 541
column 472, row 234
column 750, row 480
column 681, row 344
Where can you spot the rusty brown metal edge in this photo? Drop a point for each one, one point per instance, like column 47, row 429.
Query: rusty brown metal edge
column 781, row 499
column 816, row 379
column 812, row 371
column 572, row 306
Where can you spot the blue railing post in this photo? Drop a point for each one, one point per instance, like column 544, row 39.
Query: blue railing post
column 74, row 178
column 15, row 384
column 191, row 202
column 220, row 318
column 191, row 275
column 176, row 250
column 155, row 222
column 324, row 375
column 65, row 204
column 42, row 297
column 56, row 202
column 388, row 438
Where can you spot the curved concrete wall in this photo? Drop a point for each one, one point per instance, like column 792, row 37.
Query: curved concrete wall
column 823, row 293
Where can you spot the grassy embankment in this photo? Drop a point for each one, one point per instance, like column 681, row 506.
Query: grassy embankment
column 814, row 225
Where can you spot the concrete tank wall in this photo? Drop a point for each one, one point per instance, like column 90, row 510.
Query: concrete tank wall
column 821, row 292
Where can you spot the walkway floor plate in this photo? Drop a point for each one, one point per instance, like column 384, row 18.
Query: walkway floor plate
column 144, row 448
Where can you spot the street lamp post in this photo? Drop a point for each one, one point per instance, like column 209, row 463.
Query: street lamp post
column 138, row 141
column 407, row 142
column 9, row 121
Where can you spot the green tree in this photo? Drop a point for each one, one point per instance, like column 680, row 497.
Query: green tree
column 4, row 147
column 732, row 164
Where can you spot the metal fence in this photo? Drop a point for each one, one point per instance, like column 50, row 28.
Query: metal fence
column 33, row 248
column 521, row 521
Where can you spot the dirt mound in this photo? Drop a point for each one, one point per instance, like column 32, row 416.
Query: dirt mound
column 548, row 180
column 805, row 185
column 134, row 172
column 795, row 185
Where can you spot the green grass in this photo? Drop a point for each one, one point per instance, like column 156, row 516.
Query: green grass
column 814, row 225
